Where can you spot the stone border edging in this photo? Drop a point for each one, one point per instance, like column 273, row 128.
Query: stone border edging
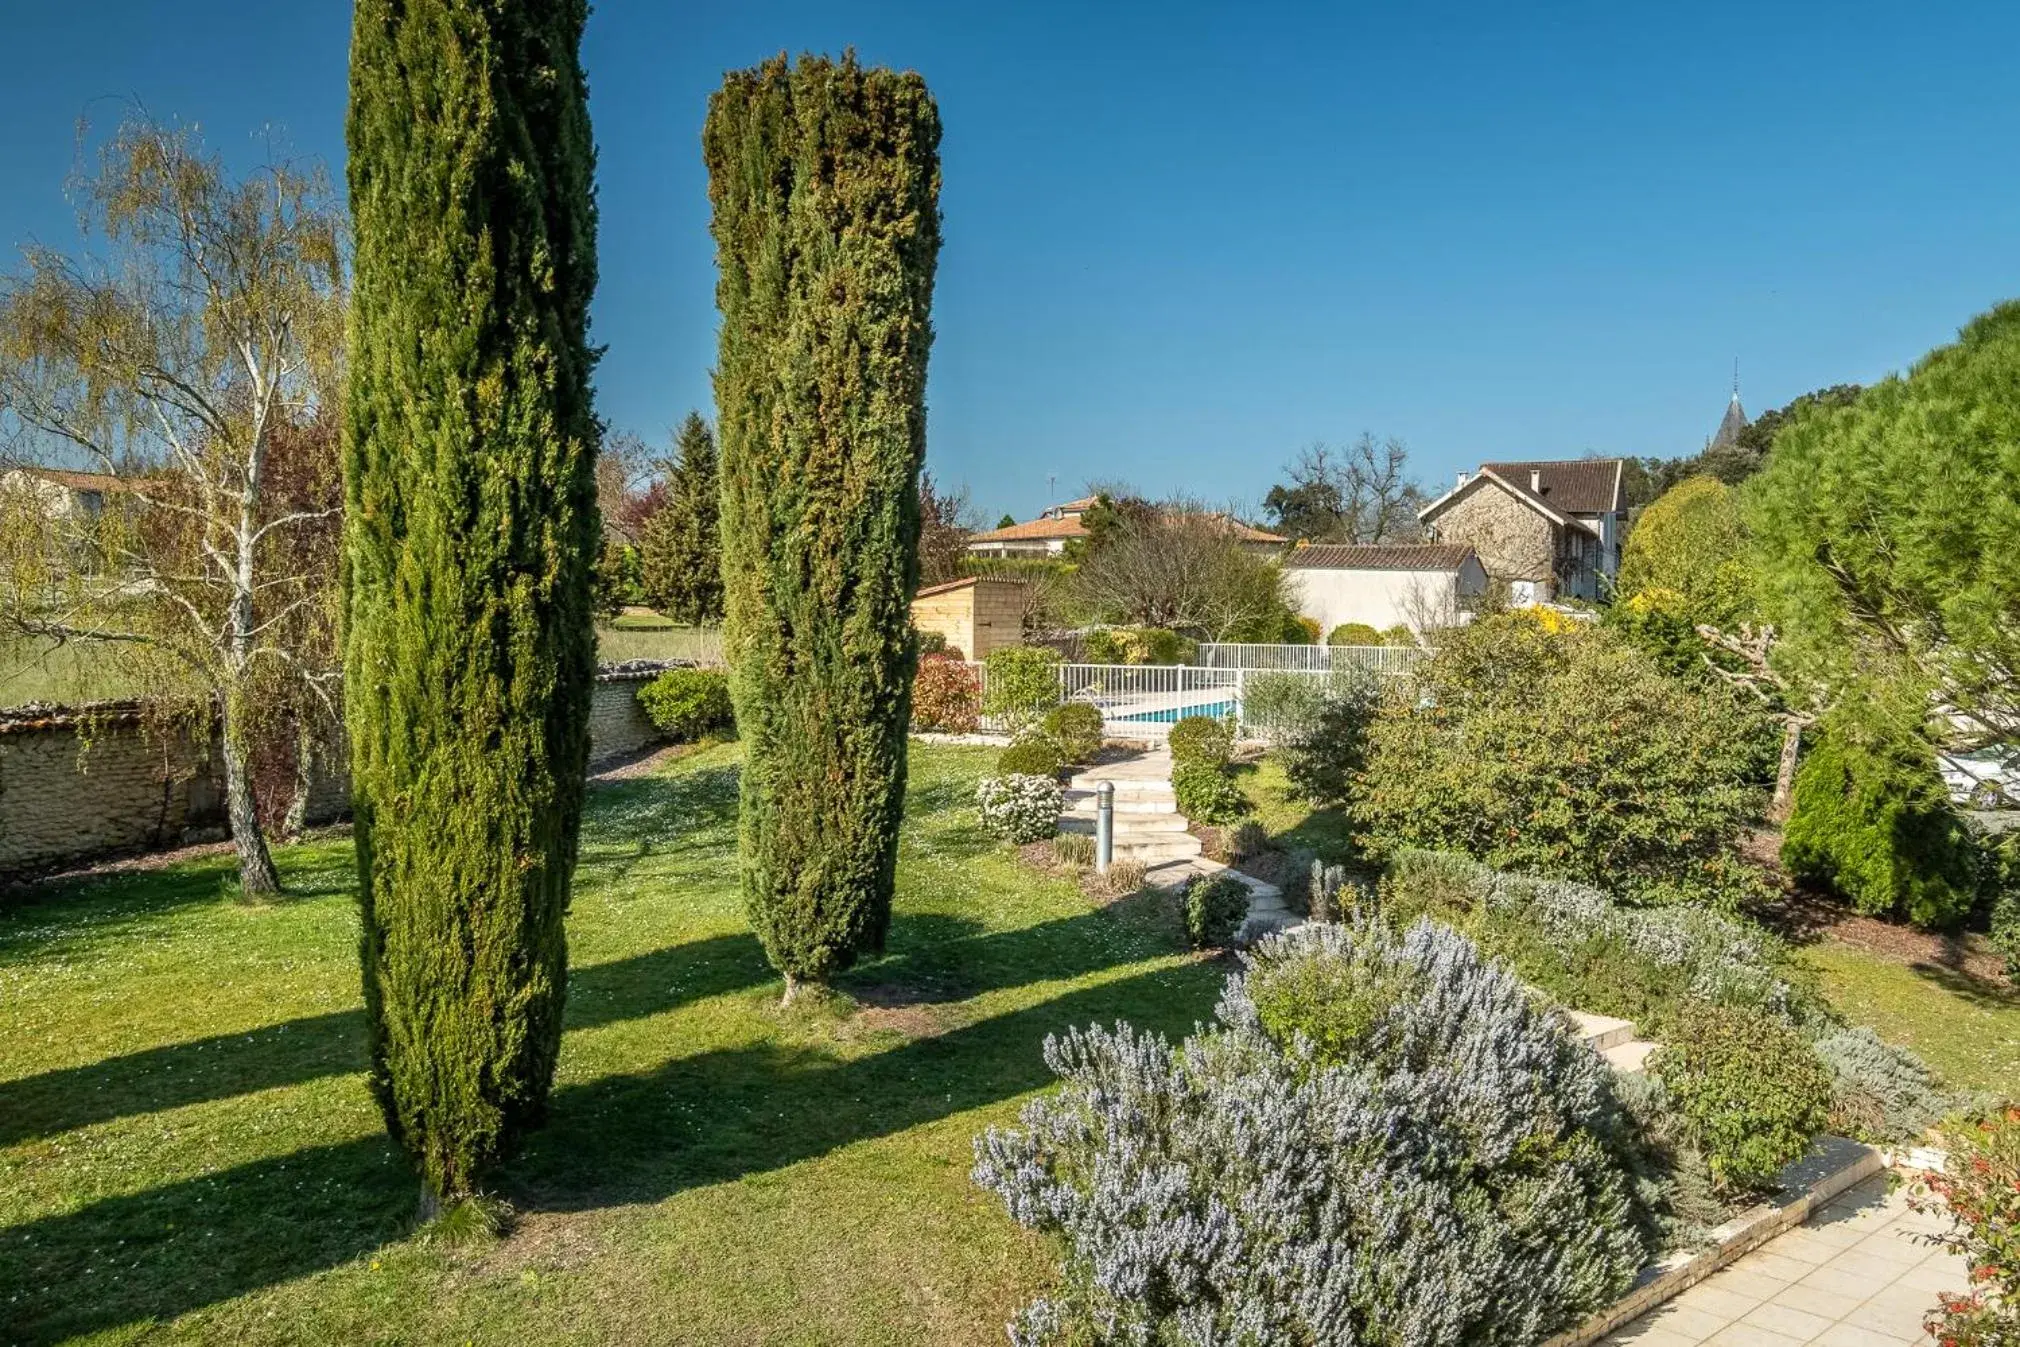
column 971, row 740
column 1832, row 1166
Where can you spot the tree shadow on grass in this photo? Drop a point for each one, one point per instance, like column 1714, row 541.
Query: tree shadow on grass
column 1984, row 993
column 721, row 1115
column 314, row 1046
column 698, row 1120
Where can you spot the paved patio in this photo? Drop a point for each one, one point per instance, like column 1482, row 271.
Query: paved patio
column 1859, row 1273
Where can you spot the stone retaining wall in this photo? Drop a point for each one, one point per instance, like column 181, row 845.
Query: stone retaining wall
column 81, row 784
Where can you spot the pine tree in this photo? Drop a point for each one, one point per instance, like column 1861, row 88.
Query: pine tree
column 825, row 181
column 472, row 533
column 681, row 551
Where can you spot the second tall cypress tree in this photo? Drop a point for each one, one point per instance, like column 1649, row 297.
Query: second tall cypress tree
column 471, row 536
column 825, row 182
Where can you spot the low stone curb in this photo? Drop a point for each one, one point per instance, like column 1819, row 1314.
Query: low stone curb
column 1833, row 1165
column 972, row 740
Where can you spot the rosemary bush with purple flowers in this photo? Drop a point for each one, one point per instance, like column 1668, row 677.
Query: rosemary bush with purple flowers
column 1380, row 1140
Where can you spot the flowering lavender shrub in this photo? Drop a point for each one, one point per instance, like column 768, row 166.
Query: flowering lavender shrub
column 1380, row 1141
column 1881, row 1092
column 1577, row 943
column 1021, row 808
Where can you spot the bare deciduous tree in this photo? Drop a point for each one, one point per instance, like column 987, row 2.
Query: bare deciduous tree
column 946, row 518
column 1361, row 494
column 1184, row 567
column 192, row 363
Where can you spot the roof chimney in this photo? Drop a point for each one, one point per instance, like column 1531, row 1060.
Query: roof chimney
column 1536, row 481
column 1462, row 477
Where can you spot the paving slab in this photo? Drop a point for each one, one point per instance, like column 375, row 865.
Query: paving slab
column 1861, row 1272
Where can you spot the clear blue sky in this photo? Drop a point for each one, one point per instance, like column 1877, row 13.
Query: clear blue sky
column 1184, row 240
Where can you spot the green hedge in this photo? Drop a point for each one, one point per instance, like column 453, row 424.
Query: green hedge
column 687, row 704
column 1353, row 633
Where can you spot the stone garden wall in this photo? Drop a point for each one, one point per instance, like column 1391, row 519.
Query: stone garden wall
column 77, row 785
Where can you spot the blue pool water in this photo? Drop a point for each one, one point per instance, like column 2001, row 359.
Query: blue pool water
column 1171, row 715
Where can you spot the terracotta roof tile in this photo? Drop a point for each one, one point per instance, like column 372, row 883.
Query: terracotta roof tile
column 1380, row 556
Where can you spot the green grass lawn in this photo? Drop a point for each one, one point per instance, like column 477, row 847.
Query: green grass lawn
column 627, row 638
column 1293, row 823
column 188, row 1151
column 1966, row 1027
column 32, row 672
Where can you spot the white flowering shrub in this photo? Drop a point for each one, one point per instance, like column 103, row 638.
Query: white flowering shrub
column 1591, row 952
column 1380, row 1141
column 1021, row 808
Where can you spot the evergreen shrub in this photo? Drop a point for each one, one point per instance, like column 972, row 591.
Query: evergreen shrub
column 946, row 696
column 1405, row 1152
column 1572, row 940
column 1750, row 1090
column 1022, row 684
column 1353, row 633
column 1979, row 1189
column 1207, row 740
column 1076, row 728
column 1323, row 756
column 1207, row 794
column 1871, row 820
column 1020, row 808
column 1567, row 753
column 1031, row 754
column 1282, row 707
column 687, row 704
column 1215, row 908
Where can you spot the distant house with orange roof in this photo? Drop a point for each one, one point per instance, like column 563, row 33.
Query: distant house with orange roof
column 66, row 494
column 1048, row 534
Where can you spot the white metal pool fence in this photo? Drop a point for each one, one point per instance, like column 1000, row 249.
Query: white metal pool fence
column 1310, row 658
column 1143, row 701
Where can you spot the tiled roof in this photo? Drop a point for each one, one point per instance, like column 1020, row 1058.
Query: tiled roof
column 945, row 587
column 80, row 481
column 1033, row 530
column 1575, row 486
column 1379, row 556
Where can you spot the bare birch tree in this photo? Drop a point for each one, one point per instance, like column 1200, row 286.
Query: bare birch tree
column 189, row 356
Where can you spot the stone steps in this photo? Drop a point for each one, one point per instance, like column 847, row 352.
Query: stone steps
column 1149, row 828
column 1126, row 825
column 1126, row 802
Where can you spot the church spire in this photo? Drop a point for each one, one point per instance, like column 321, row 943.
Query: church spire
column 1735, row 416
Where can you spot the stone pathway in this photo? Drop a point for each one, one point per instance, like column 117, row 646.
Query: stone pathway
column 1858, row 1273
column 1149, row 828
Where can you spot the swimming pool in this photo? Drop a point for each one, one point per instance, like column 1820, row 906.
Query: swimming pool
column 1171, row 715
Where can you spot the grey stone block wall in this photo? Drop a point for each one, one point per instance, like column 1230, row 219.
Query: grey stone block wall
column 76, row 786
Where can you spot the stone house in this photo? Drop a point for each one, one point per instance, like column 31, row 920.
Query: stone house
column 65, row 494
column 1549, row 530
column 974, row 616
column 1416, row 585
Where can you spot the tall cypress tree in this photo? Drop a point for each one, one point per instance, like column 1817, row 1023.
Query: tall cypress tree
column 681, row 552
column 472, row 530
column 825, row 181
